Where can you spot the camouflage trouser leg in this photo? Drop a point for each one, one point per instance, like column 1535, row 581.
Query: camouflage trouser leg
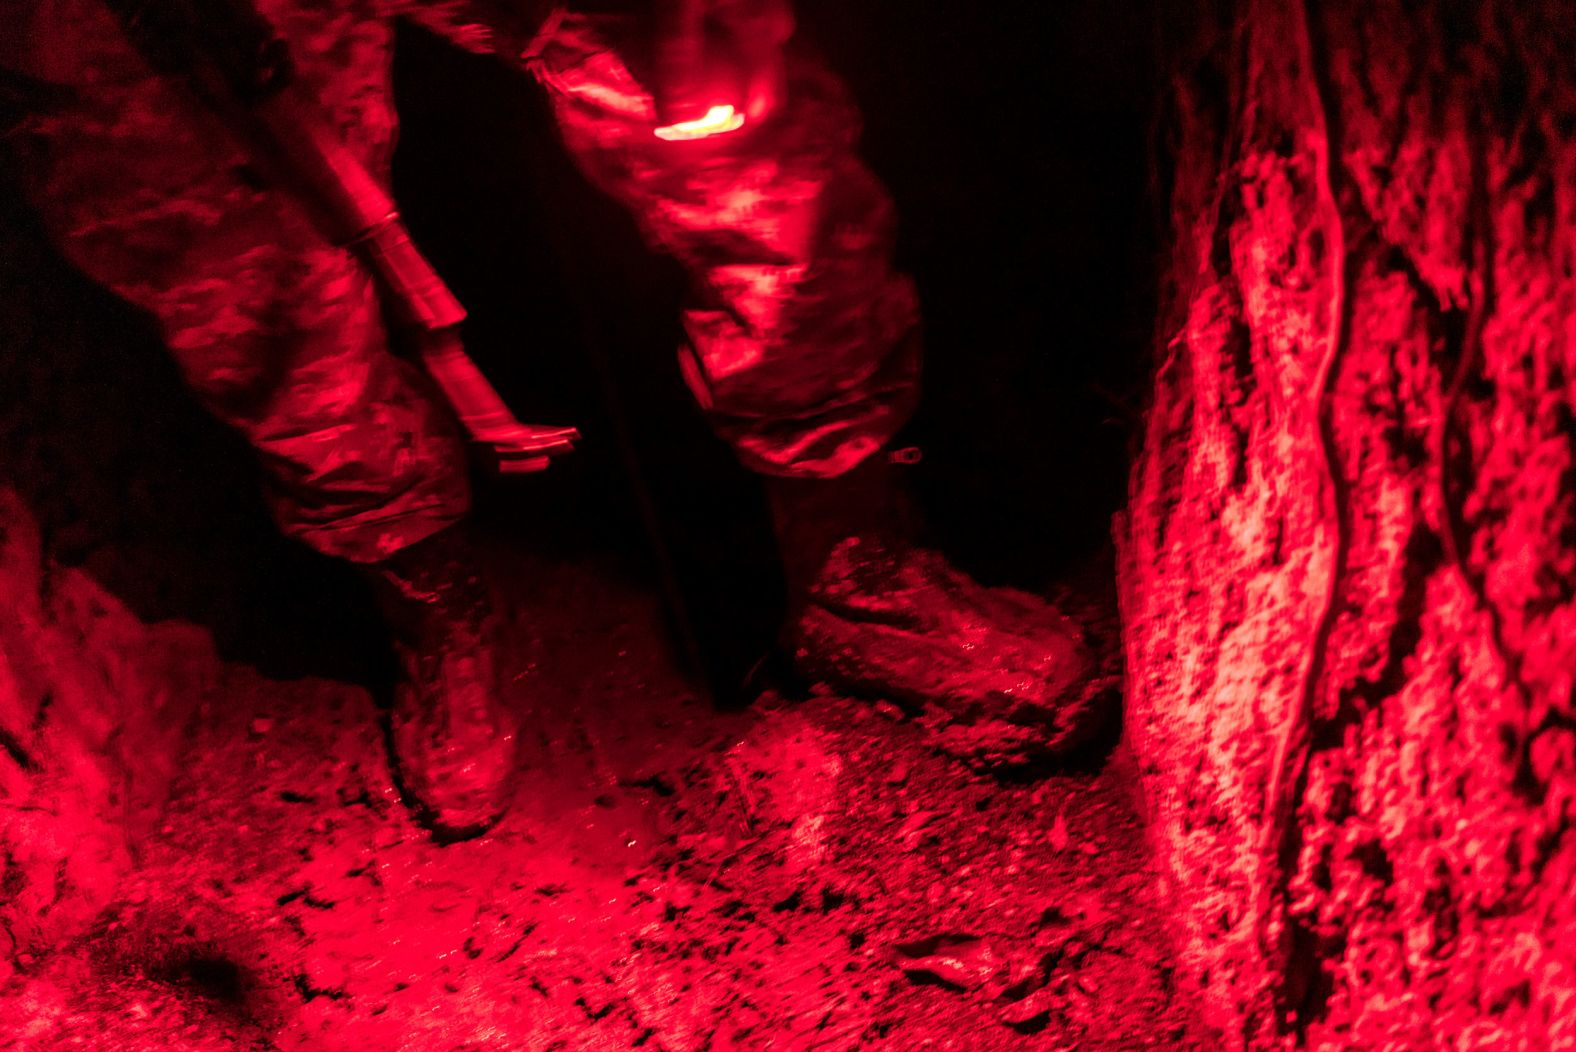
column 276, row 331
column 804, row 347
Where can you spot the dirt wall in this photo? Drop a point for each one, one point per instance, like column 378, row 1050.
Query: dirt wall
column 1349, row 561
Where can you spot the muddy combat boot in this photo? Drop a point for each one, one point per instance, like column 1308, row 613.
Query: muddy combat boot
column 999, row 675
column 452, row 739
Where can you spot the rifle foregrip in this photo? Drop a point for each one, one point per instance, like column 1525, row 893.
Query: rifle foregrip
column 355, row 210
column 419, row 294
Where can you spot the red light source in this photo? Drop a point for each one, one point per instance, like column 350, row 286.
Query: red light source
column 717, row 120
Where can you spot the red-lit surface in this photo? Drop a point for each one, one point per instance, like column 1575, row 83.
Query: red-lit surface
column 717, row 120
column 800, row 876
column 815, row 875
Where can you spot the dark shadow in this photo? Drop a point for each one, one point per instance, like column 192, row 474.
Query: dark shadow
column 213, row 978
column 1016, row 140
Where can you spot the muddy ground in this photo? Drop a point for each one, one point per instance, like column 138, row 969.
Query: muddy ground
column 806, row 874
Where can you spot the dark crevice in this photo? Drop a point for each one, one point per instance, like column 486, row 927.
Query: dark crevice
column 1420, row 559
column 18, row 754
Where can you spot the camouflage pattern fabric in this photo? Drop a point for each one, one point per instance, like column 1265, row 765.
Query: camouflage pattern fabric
column 804, row 344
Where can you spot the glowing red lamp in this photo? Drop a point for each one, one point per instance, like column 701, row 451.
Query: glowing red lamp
column 715, row 121
column 691, row 96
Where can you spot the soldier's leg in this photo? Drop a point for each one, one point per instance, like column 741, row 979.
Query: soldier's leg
column 279, row 334
column 804, row 351
column 803, row 341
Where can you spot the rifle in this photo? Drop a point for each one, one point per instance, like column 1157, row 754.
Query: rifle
column 240, row 66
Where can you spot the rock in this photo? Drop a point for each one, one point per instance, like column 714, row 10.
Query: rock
column 94, row 709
